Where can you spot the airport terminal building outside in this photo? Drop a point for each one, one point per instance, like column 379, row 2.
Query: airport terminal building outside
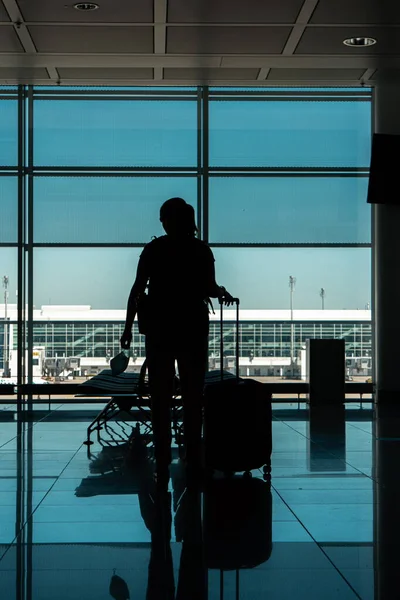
column 270, row 342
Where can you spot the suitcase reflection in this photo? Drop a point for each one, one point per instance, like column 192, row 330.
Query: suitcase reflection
column 226, row 528
column 223, row 529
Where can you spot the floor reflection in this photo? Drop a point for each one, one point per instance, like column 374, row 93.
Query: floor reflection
column 326, row 438
column 72, row 528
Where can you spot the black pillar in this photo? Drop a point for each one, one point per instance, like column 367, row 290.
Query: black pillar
column 386, row 328
column 386, row 254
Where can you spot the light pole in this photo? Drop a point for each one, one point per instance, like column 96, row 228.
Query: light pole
column 6, row 362
column 322, row 294
column 292, row 283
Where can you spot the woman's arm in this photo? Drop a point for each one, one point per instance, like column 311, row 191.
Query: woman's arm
column 215, row 290
column 138, row 288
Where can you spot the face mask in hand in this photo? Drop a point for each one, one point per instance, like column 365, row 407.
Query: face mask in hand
column 119, row 363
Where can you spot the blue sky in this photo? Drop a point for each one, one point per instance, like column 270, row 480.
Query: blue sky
column 102, row 277
column 242, row 209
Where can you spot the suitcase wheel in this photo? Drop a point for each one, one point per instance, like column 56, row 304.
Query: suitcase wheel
column 267, row 472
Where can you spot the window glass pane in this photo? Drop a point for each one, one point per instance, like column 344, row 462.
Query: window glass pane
column 267, row 336
column 8, row 209
column 59, row 335
column 260, row 277
column 115, row 133
column 102, row 88
column 8, row 268
column 279, row 134
column 289, row 210
column 82, row 314
column 104, row 209
column 8, row 312
column 97, row 277
column 8, row 579
column 9, row 132
column 291, row 90
column 8, row 347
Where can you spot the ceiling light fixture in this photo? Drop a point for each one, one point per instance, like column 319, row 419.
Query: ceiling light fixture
column 359, row 42
column 86, row 6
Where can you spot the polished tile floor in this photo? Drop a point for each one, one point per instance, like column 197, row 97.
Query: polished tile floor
column 71, row 527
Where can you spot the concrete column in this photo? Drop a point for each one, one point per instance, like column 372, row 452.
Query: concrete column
column 386, row 260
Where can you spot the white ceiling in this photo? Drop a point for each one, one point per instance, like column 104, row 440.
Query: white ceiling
column 187, row 42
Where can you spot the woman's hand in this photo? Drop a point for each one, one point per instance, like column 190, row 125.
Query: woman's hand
column 126, row 339
column 226, row 298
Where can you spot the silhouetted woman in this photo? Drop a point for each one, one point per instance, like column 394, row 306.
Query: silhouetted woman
column 180, row 273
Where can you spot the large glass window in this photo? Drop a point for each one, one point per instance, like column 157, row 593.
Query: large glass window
column 278, row 179
column 287, row 202
column 103, row 161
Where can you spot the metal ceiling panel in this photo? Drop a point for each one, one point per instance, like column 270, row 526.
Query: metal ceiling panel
column 329, row 40
column 357, row 11
column 214, row 74
column 387, row 76
column 226, row 40
column 109, row 11
column 228, row 11
column 23, row 74
column 99, row 39
column 315, row 74
column 106, row 74
column 9, row 41
column 3, row 13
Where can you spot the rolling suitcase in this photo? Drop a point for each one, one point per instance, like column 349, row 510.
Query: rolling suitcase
column 237, row 420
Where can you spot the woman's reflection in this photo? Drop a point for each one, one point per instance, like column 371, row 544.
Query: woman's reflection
column 192, row 572
column 234, row 533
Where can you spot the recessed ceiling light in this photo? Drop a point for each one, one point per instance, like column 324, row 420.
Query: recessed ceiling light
column 86, row 6
column 359, row 42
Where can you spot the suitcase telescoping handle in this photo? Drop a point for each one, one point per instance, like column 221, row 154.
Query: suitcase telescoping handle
column 221, row 344
column 221, row 584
